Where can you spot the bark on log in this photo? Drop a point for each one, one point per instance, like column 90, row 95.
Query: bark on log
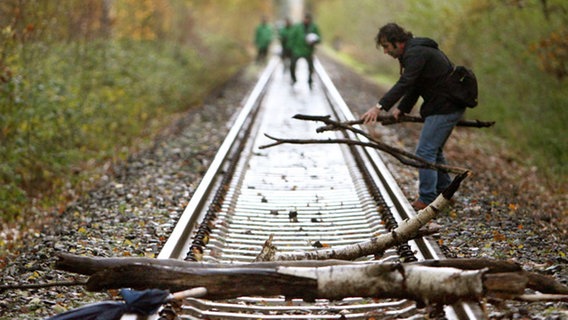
column 308, row 280
column 90, row 265
column 333, row 282
column 493, row 266
column 506, row 285
column 546, row 284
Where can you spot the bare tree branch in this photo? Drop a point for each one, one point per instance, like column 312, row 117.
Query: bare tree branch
column 404, row 157
column 390, row 119
column 28, row 286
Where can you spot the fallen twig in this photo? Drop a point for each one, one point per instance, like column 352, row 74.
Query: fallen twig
column 29, row 286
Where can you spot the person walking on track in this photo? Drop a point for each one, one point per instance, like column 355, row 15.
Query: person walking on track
column 262, row 39
column 284, row 35
column 303, row 39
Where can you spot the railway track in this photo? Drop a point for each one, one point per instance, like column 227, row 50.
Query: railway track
column 306, row 196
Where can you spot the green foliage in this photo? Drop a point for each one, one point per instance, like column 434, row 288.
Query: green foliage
column 518, row 49
column 351, row 26
column 71, row 100
column 63, row 115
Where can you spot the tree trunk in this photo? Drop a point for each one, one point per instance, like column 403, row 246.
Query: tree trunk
column 309, row 280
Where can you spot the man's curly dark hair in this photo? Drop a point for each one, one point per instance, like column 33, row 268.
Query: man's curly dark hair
column 392, row 32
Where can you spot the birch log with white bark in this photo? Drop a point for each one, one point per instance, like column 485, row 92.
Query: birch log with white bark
column 309, row 280
column 306, row 280
column 407, row 230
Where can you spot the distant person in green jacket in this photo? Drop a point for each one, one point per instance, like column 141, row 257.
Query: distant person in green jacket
column 284, row 35
column 262, row 39
column 303, row 38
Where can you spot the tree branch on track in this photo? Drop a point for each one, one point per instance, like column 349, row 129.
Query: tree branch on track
column 427, row 283
column 389, row 119
column 404, row 157
column 407, row 230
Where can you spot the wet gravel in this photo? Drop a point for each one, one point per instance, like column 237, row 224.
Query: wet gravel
column 501, row 212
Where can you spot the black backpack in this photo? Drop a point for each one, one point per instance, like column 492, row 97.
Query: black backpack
column 461, row 86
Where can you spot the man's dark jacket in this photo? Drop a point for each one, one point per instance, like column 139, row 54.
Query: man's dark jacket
column 423, row 68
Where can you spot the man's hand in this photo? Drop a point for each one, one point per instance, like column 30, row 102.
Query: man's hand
column 371, row 115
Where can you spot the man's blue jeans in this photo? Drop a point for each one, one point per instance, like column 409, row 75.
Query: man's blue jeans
column 436, row 131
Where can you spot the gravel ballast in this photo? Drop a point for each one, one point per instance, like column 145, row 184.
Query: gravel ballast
column 501, row 212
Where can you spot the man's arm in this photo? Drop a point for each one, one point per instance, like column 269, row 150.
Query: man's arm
column 413, row 65
column 405, row 86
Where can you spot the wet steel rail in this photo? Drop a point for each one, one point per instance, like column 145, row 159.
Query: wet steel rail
column 304, row 195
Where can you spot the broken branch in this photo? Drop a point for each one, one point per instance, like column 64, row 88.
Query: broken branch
column 401, row 155
column 390, row 119
column 407, row 230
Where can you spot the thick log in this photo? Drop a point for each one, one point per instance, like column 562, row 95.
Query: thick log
column 90, row 265
column 326, row 281
column 221, row 282
column 546, row 284
column 425, row 282
column 505, row 285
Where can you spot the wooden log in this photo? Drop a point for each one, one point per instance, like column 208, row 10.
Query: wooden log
column 425, row 282
column 90, row 265
column 221, row 282
column 546, row 284
column 505, row 285
column 324, row 281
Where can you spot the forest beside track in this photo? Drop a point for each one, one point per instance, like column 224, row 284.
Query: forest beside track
column 135, row 200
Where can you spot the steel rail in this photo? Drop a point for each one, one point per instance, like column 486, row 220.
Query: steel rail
column 181, row 234
column 180, row 238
